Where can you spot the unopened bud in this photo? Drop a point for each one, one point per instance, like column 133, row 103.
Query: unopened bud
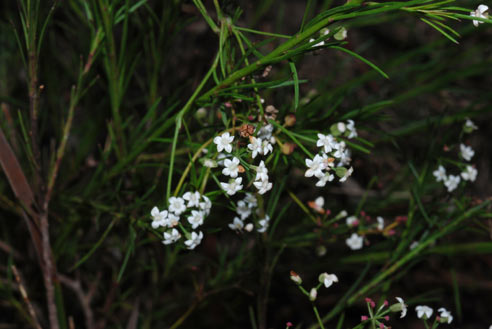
column 290, row 120
column 341, row 34
column 249, row 227
column 287, row 148
column 321, row 251
column 295, row 277
column 313, row 294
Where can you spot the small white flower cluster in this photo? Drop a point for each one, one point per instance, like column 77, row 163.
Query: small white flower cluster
column 425, row 312
column 244, row 209
column 468, row 174
column 323, row 164
column 356, row 241
column 170, row 219
column 324, row 279
column 262, row 145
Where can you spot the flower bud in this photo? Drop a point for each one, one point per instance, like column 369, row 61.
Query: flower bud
column 313, row 294
column 340, row 171
column 287, row 148
column 290, row 120
column 321, row 251
column 341, row 34
column 201, row 113
column 295, row 277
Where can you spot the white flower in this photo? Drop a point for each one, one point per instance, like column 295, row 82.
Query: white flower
column 255, row 146
column 221, row 157
column 440, row 174
column 344, row 158
column 327, row 279
column 348, row 173
column 177, row 205
column 223, row 142
column 466, row 152
column 159, row 218
column 355, row 241
column 265, row 132
column 192, row 198
column 251, row 200
column 172, row 220
column 414, row 245
column 196, row 218
column 243, row 209
column 470, row 126
column 424, row 311
column 315, row 166
column 237, row 224
column 319, row 203
column 470, row 173
column 325, row 178
column 233, row 186
column 452, row 182
column 445, row 315
column 328, row 142
column 313, row 294
column 206, row 205
column 261, row 171
column 351, row 220
column 263, row 186
column 266, row 147
column 380, row 221
column 402, row 306
column 171, row 237
column 263, row 224
column 340, row 150
column 194, row 240
column 209, row 163
column 351, row 129
column 480, row 12
column 231, row 167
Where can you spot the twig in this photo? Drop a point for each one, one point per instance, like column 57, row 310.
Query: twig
column 84, row 298
column 49, row 270
column 24, row 295
column 133, row 321
column 9, row 250
column 107, row 305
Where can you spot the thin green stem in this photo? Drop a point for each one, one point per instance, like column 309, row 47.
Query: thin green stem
column 178, row 119
column 320, row 322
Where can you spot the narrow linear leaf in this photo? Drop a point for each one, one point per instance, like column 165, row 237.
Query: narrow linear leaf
column 94, row 248
column 362, row 59
column 296, row 84
column 440, row 30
